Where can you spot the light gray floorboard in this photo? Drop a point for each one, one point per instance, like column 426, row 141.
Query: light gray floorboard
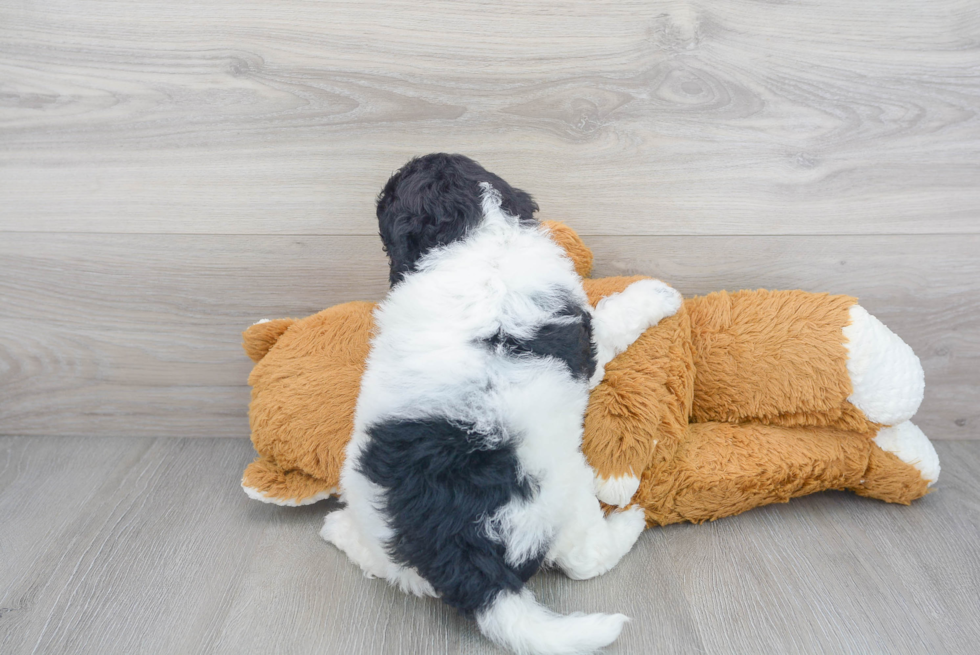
column 141, row 545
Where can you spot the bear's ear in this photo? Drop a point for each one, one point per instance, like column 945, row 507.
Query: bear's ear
column 566, row 237
column 259, row 338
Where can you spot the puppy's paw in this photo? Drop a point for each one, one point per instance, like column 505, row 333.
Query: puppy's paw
column 620, row 319
column 615, row 490
column 340, row 530
column 410, row 582
column 628, row 525
column 337, row 528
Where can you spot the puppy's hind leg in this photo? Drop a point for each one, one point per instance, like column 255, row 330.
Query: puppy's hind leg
column 588, row 543
column 340, row 529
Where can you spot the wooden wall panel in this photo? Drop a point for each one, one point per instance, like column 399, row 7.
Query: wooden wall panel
column 172, row 171
column 637, row 117
column 140, row 334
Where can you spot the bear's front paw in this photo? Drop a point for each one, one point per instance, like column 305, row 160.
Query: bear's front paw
column 616, row 490
column 625, row 315
column 619, row 319
column 653, row 300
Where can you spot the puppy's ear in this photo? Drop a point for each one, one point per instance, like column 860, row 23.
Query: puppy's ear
column 515, row 201
column 434, row 200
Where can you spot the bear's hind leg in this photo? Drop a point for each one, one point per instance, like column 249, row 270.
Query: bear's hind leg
column 886, row 376
column 907, row 442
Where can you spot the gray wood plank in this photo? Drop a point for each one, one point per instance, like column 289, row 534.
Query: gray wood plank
column 140, row 335
column 150, row 543
column 946, row 595
column 709, row 117
column 116, row 545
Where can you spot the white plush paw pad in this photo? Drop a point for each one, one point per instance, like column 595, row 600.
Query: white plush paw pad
column 257, row 494
column 886, row 377
column 641, row 305
column 907, row 442
column 616, row 491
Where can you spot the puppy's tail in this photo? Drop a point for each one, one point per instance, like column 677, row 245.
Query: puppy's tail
column 516, row 621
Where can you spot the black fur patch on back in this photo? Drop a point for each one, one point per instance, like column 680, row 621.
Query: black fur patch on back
column 435, row 200
column 569, row 342
column 439, row 489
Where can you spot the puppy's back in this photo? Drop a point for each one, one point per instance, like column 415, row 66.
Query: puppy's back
column 459, row 374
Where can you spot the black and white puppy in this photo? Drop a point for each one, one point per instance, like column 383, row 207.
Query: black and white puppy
column 464, row 473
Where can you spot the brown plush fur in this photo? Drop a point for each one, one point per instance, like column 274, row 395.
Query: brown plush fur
column 736, row 401
column 785, row 350
column 303, row 396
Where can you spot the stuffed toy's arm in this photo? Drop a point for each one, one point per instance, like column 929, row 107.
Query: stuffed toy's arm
column 620, row 318
column 624, row 307
column 636, row 406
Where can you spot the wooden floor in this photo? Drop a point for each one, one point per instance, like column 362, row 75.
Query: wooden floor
column 148, row 545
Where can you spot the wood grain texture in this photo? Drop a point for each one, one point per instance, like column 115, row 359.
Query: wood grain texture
column 138, row 545
column 172, row 171
column 140, row 335
column 670, row 117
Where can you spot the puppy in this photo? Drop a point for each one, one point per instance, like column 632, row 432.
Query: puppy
column 464, row 474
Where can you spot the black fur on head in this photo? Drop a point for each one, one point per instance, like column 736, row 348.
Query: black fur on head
column 435, row 200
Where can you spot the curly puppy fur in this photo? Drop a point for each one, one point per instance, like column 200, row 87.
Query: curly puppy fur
column 436, row 200
column 464, row 473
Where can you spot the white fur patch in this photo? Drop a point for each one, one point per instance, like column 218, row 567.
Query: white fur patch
column 256, row 494
column 341, row 529
column 262, row 320
column 886, row 376
column 592, row 547
column 616, row 491
column 907, row 442
column 517, row 622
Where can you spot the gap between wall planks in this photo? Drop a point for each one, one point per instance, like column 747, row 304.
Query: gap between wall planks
column 170, row 172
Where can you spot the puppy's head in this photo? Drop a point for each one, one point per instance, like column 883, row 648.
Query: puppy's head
column 435, row 200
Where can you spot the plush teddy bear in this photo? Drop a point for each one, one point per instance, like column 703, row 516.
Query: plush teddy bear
column 738, row 400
